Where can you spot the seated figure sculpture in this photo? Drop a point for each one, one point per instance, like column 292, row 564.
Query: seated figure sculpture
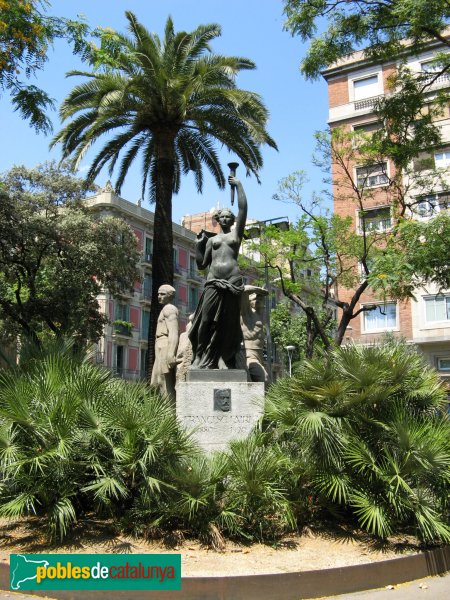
column 216, row 333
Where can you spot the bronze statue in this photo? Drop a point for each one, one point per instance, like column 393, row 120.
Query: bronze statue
column 216, row 333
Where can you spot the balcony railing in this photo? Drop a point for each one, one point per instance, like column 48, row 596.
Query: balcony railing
column 122, row 330
column 366, row 102
column 195, row 277
column 431, row 77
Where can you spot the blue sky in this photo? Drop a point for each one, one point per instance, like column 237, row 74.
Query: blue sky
column 250, row 28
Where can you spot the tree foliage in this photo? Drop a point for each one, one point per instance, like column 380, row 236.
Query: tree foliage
column 26, row 32
column 381, row 26
column 319, row 255
column 55, row 257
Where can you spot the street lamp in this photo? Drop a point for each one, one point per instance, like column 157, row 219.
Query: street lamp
column 252, row 231
column 290, row 351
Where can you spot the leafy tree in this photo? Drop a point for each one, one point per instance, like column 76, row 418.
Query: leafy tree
column 170, row 101
column 369, row 432
column 381, row 25
column 316, row 257
column 55, row 257
column 26, row 32
column 289, row 328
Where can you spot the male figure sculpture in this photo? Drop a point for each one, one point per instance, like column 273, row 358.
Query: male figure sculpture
column 163, row 373
column 216, row 331
column 252, row 322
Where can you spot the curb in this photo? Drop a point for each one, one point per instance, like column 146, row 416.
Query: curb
column 284, row 586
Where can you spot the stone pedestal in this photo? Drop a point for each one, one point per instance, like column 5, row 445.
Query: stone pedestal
column 219, row 405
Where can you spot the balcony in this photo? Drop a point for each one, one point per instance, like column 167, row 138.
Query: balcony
column 146, row 260
column 178, row 271
column 125, row 293
column 195, row 277
column 146, row 295
column 366, row 103
column 127, row 373
column 440, row 81
column 123, row 329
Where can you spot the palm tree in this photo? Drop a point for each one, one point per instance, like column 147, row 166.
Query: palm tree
column 169, row 101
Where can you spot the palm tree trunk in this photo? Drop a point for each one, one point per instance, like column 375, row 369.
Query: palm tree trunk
column 162, row 260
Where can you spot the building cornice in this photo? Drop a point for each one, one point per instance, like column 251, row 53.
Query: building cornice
column 108, row 200
column 358, row 60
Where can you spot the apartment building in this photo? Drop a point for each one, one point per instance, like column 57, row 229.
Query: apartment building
column 354, row 85
column 123, row 348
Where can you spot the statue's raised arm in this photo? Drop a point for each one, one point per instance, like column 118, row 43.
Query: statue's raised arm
column 242, row 207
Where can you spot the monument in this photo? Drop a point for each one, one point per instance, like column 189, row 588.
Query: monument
column 216, row 400
column 163, row 373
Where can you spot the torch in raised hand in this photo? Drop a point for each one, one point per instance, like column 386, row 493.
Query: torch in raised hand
column 233, row 166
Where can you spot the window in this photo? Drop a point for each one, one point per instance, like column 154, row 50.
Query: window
column 444, row 364
column 145, row 324
column 363, row 132
column 120, row 359
column 375, row 219
column 442, row 159
column 192, row 266
column 193, row 298
column 428, row 67
column 437, row 308
column 365, row 87
column 428, row 206
column 147, row 287
column 148, row 249
column 144, row 360
column 383, row 317
column 122, row 312
column 371, row 175
column 423, row 162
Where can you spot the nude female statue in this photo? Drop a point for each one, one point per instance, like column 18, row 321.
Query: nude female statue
column 216, row 333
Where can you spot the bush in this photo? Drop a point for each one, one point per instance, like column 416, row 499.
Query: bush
column 73, row 439
column 360, row 434
column 368, row 429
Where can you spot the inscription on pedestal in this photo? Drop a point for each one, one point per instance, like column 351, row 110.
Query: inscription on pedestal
column 219, row 414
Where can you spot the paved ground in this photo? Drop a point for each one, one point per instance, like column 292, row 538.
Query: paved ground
column 431, row 588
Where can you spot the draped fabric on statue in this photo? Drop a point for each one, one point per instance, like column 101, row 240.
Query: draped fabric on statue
column 216, row 329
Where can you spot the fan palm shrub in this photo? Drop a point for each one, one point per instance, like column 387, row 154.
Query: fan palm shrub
column 74, row 440
column 258, row 485
column 370, row 430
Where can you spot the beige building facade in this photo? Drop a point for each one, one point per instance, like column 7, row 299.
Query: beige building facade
column 123, row 347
